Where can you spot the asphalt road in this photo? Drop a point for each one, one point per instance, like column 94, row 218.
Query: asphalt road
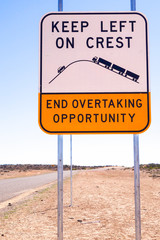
column 10, row 188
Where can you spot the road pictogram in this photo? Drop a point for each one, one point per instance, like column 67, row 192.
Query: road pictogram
column 102, row 63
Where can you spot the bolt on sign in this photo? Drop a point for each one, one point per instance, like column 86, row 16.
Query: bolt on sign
column 94, row 75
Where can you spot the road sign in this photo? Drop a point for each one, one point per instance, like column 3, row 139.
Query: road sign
column 94, row 75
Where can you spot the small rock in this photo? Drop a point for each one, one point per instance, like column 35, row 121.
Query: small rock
column 9, row 204
column 79, row 220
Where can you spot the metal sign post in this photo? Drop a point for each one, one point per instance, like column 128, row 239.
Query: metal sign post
column 60, row 170
column 137, row 188
column 60, row 187
column 71, row 167
column 136, row 171
column 60, row 5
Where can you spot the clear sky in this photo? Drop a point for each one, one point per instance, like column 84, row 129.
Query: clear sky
column 21, row 140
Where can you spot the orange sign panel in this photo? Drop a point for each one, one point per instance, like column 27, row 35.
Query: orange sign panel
column 94, row 113
column 94, row 73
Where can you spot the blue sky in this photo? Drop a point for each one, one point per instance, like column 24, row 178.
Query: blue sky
column 21, row 140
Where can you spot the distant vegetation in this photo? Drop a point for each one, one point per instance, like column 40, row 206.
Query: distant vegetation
column 152, row 169
column 24, row 167
column 150, row 166
column 27, row 167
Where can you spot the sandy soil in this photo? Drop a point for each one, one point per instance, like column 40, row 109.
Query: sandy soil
column 15, row 174
column 103, row 209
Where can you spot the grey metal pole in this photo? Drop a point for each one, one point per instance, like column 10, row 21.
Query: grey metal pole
column 136, row 172
column 137, row 188
column 60, row 187
column 133, row 5
column 60, row 170
column 60, row 5
column 71, row 167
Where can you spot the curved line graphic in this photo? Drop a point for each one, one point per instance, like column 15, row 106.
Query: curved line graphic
column 70, row 65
